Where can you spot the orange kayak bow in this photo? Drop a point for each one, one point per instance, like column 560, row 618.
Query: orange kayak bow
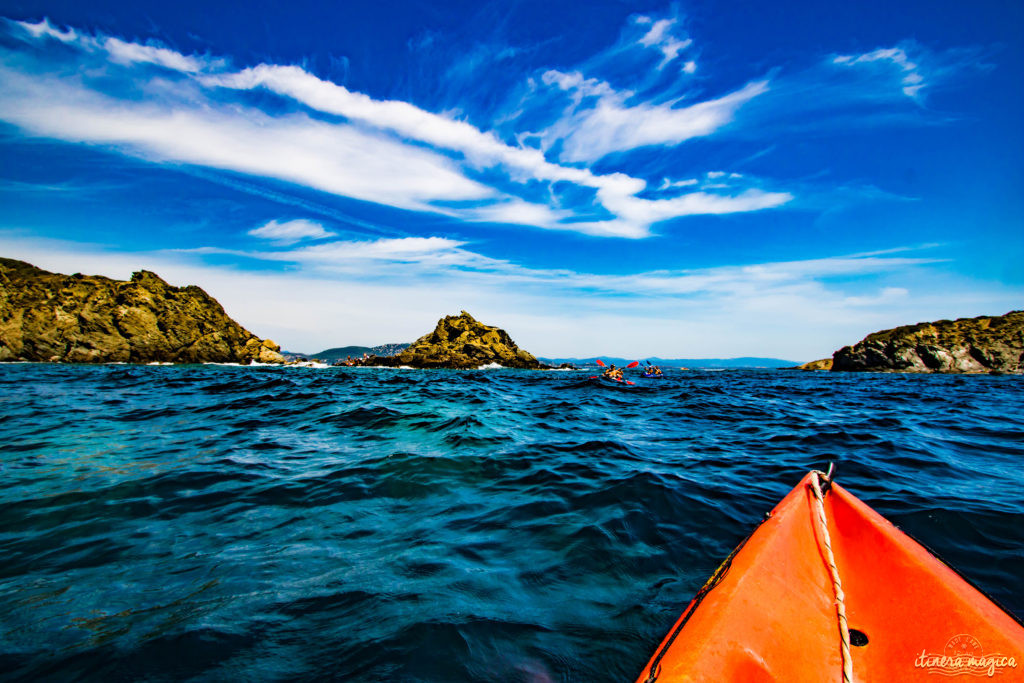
column 826, row 589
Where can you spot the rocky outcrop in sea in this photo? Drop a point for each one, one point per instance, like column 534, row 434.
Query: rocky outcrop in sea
column 987, row 344
column 823, row 364
column 460, row 342
column 79, row 318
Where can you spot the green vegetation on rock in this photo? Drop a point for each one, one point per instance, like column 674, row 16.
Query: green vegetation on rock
column 78, row 318
column 985, row 344
column 460, row 342
column 823, row 364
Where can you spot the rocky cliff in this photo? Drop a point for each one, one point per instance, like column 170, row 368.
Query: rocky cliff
column 91, row 319
column 823, row 364
column 460, row 342
column 976, row 345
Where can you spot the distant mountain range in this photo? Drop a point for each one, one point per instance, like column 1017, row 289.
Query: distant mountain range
column 343, row 352
column 745, row 362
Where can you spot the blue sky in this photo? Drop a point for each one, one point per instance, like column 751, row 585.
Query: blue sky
column 630, row 178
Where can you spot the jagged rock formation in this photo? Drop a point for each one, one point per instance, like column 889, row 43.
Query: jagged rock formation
column 971, row 345
column 460, row 342
column 823, row 364
column 92, row 319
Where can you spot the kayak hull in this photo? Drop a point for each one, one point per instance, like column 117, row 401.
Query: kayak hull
column 608, row 380
column 769, row 614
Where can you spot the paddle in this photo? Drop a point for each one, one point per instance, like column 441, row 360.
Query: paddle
column 601, row 363
column 633, row 364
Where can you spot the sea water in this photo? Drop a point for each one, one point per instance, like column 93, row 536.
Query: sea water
column 235, row 523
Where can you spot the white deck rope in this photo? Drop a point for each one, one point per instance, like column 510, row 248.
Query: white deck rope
column 844, row 628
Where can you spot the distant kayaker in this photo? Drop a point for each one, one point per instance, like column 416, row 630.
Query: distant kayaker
column 613, row 372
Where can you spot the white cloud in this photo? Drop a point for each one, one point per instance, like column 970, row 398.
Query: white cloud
column 646, row 211
column 524, row 213
column 127, row 53
column 656, row 34
column 634, row 214
column 119, row 51
column 660, row 37
column 912, row 80
column 667, row 184
column 290, row 232
column 482, row 149
column 613, row 126
column 337, row 159
column 45, row 29
column 433, row 251
column 380, row 258
column 575, row 83
column 388, row 152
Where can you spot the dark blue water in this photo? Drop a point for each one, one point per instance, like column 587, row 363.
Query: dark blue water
column 220, row 523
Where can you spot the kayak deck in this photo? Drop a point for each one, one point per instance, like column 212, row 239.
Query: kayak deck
column 769, row 613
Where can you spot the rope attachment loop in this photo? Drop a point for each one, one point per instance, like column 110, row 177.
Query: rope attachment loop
column 817, row 479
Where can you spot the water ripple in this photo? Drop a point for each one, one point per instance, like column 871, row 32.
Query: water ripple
column 358, row 524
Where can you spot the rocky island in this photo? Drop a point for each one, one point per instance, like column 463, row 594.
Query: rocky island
column 823, row 364
column 987, row 344
column 460, row 342
column 79, row 318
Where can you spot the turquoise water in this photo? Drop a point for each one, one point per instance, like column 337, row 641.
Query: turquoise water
column 227, row 523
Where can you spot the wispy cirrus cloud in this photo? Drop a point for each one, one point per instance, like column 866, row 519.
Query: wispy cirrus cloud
column 615, row 103
column 615, row 191
column 289, row 232
column 44, row 29
column 415, row 261
column 119, row 51
column 612, row 124
column 533, row 166
column 837, row 92
column 388, row 152
column 660, row 36
column 911, row 78
column 441, row 258
column 169, row 127
column 124, row 52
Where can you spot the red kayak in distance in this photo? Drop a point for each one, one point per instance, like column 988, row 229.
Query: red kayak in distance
column 611, row 379
column 614, row 379
column 826, row 589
